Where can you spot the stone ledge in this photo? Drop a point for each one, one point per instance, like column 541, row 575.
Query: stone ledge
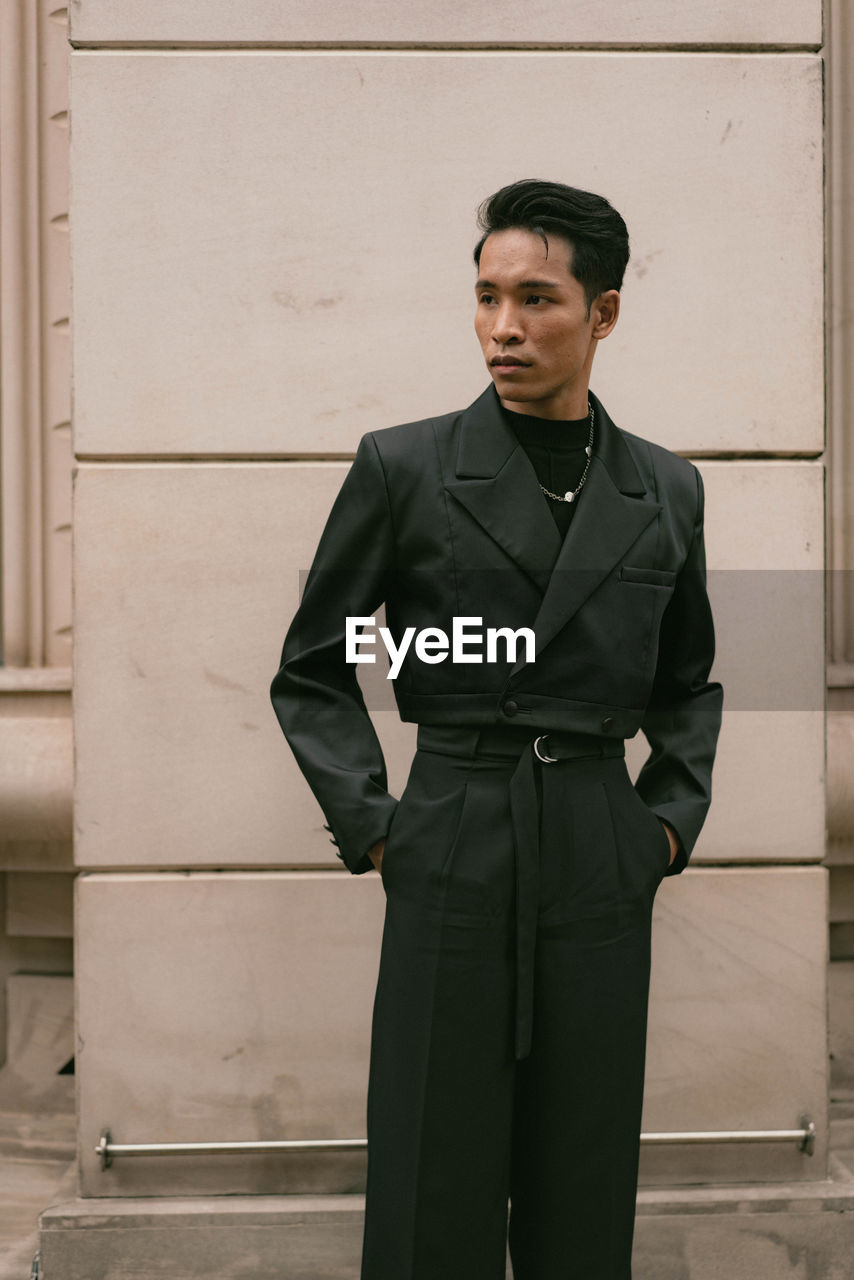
column 36, row 778
column 833, row 1195
column 757, row 1232
column 35, row 680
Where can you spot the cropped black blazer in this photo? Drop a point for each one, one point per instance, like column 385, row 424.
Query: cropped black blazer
column 445, row 517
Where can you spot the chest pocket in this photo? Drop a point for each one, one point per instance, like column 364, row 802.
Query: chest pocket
column 648, row 577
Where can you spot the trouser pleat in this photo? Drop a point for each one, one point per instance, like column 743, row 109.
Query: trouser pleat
column 458, row 1124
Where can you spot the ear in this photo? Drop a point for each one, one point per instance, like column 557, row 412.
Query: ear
column 604, row 313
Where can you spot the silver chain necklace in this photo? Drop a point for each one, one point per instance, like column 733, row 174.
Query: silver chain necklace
column 572, row 494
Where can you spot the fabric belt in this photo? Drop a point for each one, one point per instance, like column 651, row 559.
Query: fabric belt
column 533, row 752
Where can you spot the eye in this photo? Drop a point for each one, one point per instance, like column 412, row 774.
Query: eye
column 535, row 298
column 486, row 297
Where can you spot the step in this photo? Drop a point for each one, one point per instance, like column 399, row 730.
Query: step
column 783, row 1232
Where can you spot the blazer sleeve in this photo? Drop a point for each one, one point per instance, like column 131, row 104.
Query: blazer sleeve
column 683, row 717
column 315, row 693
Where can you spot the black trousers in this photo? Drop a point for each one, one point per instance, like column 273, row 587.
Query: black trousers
column 509, row 1031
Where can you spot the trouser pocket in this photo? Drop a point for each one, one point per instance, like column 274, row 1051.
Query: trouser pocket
column 643, row 846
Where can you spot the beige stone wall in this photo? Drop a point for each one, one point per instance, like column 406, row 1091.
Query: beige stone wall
column 266, row 239
column 776, row 23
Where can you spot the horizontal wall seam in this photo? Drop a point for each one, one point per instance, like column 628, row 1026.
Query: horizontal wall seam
column 129, row 869
column 335, row 47
column 238, row 459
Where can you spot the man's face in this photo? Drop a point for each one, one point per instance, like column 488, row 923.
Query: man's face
column 532, row 323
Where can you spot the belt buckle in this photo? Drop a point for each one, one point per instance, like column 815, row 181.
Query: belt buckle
column 545, row 759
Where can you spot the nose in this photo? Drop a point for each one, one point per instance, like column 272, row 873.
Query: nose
column 506, row 326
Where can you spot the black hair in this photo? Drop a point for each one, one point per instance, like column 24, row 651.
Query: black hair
column 598, row 235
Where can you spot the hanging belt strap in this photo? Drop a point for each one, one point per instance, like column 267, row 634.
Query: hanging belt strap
column 541, row 752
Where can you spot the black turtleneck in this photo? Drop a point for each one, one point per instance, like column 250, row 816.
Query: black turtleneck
column 555, row 448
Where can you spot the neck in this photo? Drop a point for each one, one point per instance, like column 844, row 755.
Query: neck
column 516, row 413
column 563, row 410
column 567, row 403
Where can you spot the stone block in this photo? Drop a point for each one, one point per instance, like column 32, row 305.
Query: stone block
column 237, row 1006
column 739, row 960
column 264, row 264
column 276, row 22
column 783, row 1244
column 187, row 577
column 764, row 543
column 768, row 789
column 225, row 1007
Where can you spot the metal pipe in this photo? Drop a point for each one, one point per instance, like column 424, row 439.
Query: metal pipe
column 107, row 1149
column 805, row 1136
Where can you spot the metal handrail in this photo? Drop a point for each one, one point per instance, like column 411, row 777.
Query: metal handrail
column 107, row 1150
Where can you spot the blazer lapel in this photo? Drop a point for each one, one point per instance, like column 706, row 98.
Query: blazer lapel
column 498, row 486
column 613, row 510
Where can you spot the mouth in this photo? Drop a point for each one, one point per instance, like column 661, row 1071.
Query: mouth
column 507, row 362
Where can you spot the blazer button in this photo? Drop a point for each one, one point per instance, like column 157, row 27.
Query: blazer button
column 607, row 724
column 510, row 708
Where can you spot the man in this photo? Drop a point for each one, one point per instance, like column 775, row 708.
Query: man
column 520, row 864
